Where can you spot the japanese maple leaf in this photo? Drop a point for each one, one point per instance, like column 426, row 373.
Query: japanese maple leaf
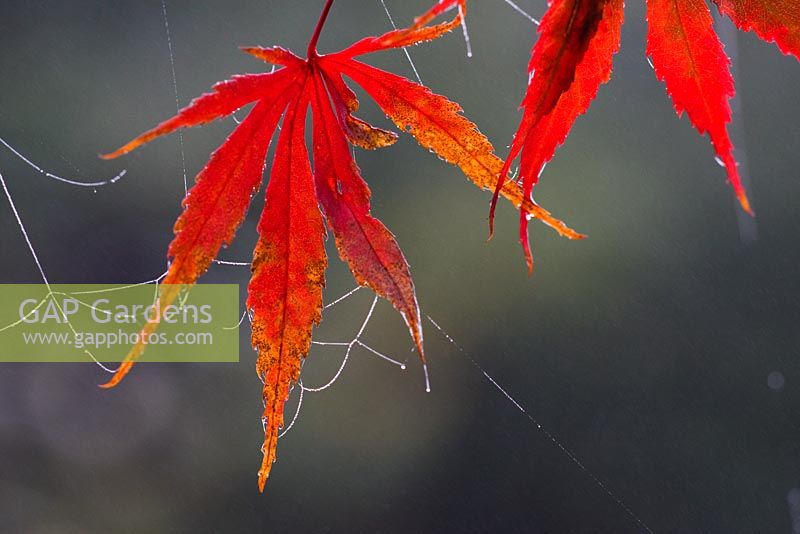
column 288, row 268
column 573, row 55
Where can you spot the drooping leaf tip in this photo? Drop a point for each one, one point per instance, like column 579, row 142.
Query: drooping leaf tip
column 744, row 202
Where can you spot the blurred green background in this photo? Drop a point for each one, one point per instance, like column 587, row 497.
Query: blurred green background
column 662, row 351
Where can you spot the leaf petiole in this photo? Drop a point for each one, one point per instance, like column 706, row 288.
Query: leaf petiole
column 312, row 44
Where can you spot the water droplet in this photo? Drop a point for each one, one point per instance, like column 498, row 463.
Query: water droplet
column 776, row 381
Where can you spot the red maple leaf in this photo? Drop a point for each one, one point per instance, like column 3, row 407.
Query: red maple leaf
column 573, row 55
column 285, row 292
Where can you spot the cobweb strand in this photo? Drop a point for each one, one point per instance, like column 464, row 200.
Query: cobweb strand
column 522, row 12
column 549, row 435
column 175, row 91
column 348, row 346
column 58, row 178
column 38, row 263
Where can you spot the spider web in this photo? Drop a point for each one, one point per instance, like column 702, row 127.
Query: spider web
column 347, row 347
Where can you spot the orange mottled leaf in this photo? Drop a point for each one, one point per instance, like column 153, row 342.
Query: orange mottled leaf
column 285, row 292
column 438, row 125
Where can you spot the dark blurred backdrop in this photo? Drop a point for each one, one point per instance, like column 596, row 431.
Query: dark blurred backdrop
column 662, row 351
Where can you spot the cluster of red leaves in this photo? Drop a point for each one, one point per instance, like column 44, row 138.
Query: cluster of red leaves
column 289, row 261
column 572, row 58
